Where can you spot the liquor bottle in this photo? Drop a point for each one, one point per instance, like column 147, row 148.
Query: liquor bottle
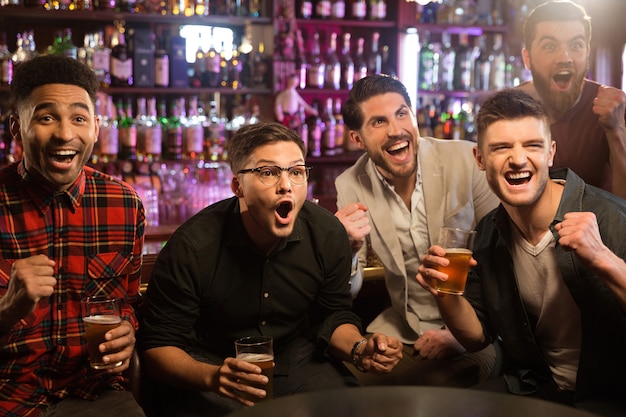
column 498, row 64
column 202, row 7
column 347, row 64
column 215, row 134
column 6, row 64
column 85, row 52
column 306, row 9
column 482, row 65
column 428, row 65
column 161, row 64
column 387, row 66
column 302, row 65
column 378, row 9
column 153, row 133
column 68, row 48
column 322, row 9
column 375, row 59
column 315, row 132
column 463, row 64
column 317, row 67
column 102, row 60
column 360, row 64
column 339, row 126
column 212, row 62
column 359, row 9
column 109, row 133
column 338, row 9
column 446, row 63
column 224, row 63
column 141, row 120
column 121, row 69
column 328, row 128
column 332, row 77
column 193, row 135
column 55, row 47
column 173, row 146
column 128, row 131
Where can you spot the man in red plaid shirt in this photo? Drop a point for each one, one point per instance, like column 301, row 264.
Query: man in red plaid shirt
column 66, row 232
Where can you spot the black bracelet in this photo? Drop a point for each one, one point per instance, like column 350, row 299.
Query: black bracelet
column 355, row 357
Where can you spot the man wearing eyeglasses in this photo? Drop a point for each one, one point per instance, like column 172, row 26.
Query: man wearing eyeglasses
column 265, row 262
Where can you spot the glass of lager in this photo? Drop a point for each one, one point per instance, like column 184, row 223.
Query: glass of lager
column 458, row 244
column 258, row 350
column 100, row 314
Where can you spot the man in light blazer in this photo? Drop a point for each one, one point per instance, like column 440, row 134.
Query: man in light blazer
column 398, row 199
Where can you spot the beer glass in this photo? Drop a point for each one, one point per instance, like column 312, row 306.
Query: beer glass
column 259, row 351
column 458, row 244
column 100, row 314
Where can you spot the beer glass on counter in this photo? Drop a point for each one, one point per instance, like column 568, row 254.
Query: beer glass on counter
column 458, row 244
column 100, row 314
column 259, row 351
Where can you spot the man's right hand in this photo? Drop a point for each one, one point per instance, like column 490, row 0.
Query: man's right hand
column 31, row 280
column 357, row 224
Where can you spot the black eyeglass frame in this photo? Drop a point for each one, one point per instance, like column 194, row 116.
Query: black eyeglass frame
column 257, row 170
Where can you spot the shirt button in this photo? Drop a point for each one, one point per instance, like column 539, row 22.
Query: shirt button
column 263, row 323
column 60, row 341
column 265, row 295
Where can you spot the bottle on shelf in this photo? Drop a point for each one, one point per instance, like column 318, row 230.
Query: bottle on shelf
column 109, row 134
column 127, row 131
column 375, row 59
column 378, row 9
column 328, row 128
column 387, row 66
column 68, row 47
column 121, row 67
column 338, row 9
column 162, row 63
column 302, row 65
column 463, row 64
column 197, row 75
column 360, row 64
column 215, row 134
column 339, row 126
column 323, row 9
column 482, row 65
column 306, row 9
column 193, row 136
column 317, row 66
column 347, row 64
column 141, row 120
column 497, row 56
column 446, row 63
column 153, row 133
column 6, row 64
column 101, row 60
column 359, row 9
column 173, row 146
column 332, row 77
column 235, row 67
column 315, row 129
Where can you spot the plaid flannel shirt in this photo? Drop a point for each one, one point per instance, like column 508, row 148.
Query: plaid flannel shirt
column 94, row 232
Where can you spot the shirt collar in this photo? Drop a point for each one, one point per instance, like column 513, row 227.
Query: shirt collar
column 43, row 194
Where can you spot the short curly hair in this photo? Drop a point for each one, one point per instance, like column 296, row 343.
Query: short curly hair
column 51, row 69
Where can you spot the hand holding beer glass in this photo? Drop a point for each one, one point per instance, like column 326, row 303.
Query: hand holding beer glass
column 458, row 244
column 259, row 351
column 100, row 314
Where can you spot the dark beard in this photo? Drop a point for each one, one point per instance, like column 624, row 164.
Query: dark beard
column 558, row 103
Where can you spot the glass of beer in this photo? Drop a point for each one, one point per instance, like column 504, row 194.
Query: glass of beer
column 258, row 350
column 458, row 244
column 100, row 314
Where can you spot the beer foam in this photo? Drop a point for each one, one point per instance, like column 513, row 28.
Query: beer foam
column 103, row 319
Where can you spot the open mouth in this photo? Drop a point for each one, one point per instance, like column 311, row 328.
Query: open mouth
column 562, row 79
column 518, row 178
column 63, row 157
column 398, row 148
column 284, row 209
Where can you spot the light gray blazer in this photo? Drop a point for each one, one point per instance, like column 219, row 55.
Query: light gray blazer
column 455, row 193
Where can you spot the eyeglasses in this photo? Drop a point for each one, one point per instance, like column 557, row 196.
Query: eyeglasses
column 270, row 174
